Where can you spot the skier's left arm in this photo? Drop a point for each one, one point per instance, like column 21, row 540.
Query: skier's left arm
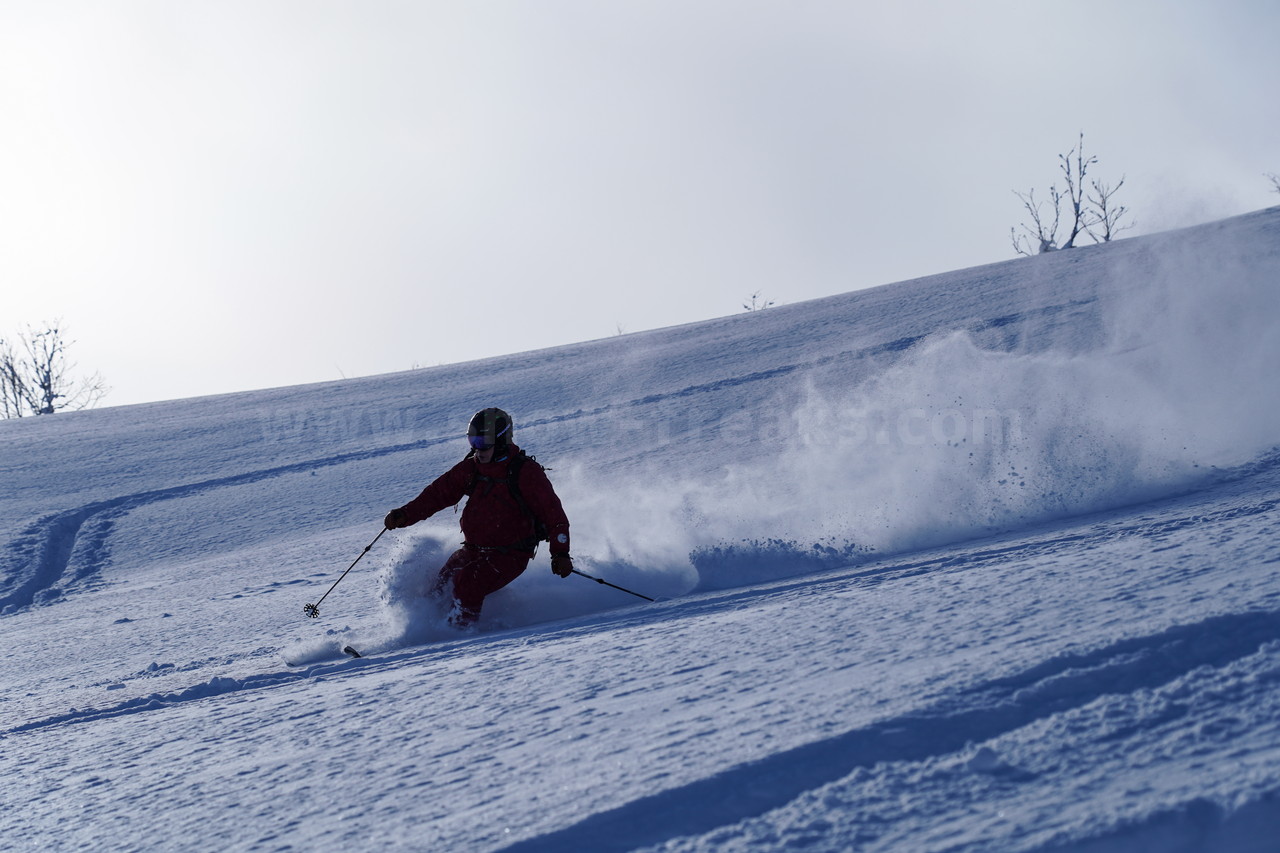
column 546, row 505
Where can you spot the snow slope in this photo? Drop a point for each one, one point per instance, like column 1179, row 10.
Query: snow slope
column 983, row 561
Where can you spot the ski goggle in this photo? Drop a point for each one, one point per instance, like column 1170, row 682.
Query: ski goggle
column 482, row 442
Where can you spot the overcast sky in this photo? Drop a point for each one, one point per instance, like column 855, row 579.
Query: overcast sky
column 224, row 195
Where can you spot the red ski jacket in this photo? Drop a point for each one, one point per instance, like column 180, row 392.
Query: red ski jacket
column 492, row 517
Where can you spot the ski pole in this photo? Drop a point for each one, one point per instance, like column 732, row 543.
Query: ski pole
column 614, row 585
column 313, row 610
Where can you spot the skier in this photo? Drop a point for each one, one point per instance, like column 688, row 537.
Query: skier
column 511, row 506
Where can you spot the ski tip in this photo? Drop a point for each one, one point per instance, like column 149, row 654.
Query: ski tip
column 351, row 651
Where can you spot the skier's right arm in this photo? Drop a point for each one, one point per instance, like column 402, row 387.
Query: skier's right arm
column 447, row 490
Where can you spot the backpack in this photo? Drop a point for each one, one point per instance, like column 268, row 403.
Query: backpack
column 540, row 533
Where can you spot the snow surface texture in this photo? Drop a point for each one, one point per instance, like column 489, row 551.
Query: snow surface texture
column 984, row 561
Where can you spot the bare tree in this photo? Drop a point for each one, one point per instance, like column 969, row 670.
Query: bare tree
column 1275, row 181
column 36, row 379
column 757, row 303
column 1084, row 212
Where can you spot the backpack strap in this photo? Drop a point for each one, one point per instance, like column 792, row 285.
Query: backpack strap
column 514, row 465
column 513, row 483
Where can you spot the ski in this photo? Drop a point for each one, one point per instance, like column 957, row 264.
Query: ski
column 304, row 656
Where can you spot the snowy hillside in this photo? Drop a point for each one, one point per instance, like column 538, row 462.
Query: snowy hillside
column 983, row 561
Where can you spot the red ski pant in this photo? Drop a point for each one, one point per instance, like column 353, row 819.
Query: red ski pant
column 472, row 573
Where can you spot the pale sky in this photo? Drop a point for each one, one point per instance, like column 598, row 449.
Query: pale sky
column 227, row 195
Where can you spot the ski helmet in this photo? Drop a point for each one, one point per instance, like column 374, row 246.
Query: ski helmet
column 489, row 428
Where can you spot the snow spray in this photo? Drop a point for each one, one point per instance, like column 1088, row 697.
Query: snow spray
column 1163, row 389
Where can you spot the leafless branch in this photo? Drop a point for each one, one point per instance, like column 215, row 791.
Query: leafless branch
column 1108, row 215
column 1043, row 238
column 1074, row 175
column 12, row 396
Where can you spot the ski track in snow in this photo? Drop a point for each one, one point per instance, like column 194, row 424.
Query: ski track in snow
column 700, row 813
column 986, row 712
column 62, row 551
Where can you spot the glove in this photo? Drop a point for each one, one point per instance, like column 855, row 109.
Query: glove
column 396, row 518
column 562, row 565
